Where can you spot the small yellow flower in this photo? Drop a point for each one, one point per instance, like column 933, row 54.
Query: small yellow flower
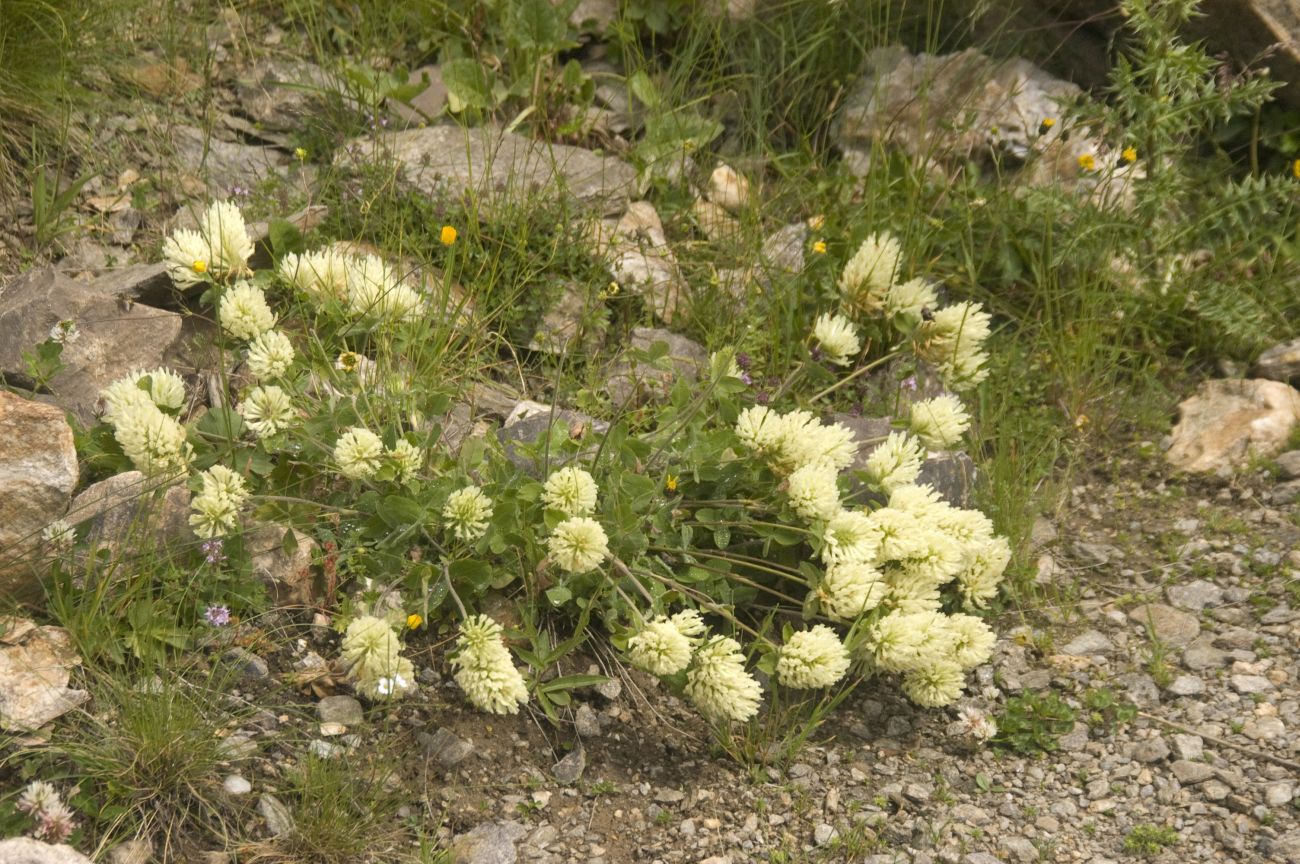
column 1295, row 169
column 348, row 361
column 413, row 621
column 200, row 266
column 300, row 153
column 447, row 236
column 1129, row 155
column 1087, row 162
column 613, row 289
column 671, row 483
column 819, row 247
column 816, row 223
column 1048, row 123
column 1081, row 421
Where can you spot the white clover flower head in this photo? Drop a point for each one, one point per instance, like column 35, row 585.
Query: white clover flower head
column 939, row 557
column 978, row 582
column 320, row 274
column 59, row 535
column 371, row 654
column 870, row 273
column 921, row 500
column 952, row 340
column 267, row 410
column 375, row 290
column 689, row 623
column 120, row 397
column 910, row 594
column 902, row 535
column 485, row 669
column 897, row 641
column 407, row 458
column 570, row 490
column 812, row 659
column 973, row 640
column 270, row 355
column 850, row 535
column 850, row 589
column 222, row 226
column 935, row 685
column 939, row 422
column 813, row 492
column 244, row 313
column 160, row 387
column 187, row 256
column 759, row 429
column 216, row 507
column 54, row 823
column 358, row 453
column 467, row 513
column 65, row 332
column 971, row 528
column 896, row 462
column 660, row 648
column 718, row 684
column 154, row 442
column 837, row 338
column 976, row 724
column 909, row 299
column 578, row 544
column 37, row 795
column 805, row 443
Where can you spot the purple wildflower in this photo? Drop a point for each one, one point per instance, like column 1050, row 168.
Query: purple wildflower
column 762, row 397
column 744, row 376
column 217, row 616
column 743, row 360
column 212, row 551
column 909, row 383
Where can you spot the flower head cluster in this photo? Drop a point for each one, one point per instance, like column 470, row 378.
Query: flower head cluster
column 790, row 441
column 664, row 645
column 216, row 507
column 570, row 490
column 813, row 491
column 896, row 462
column 161, row 387
column 41, row 801
column 267, row 410
column 320, row 274
column 812, row 658
column 837, row 338
column 406, row 458
column 371, row 653
column 975, row 724
column 953, row 341
column 939, row 422
column 849, row 589
column 485, row 669
column 376, row 291
column 870, row 273
column 59, row 535
column 153, row 441
column 578, row 544
column 467, row 512
column 719, row 685
column 359, row 453
column 221, row 247
column 932, row 651
column 244, row 313
column 270, row 355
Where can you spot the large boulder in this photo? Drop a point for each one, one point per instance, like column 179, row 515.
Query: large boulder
column 38, row 471
column 496, row 166
column 132, row 510
column 1228, row 421
column 115, row 338
column 35, row 664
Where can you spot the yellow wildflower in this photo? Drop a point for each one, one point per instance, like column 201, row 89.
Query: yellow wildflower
column 1130, row 155
column 200, row 266
column 1046, row 125
column 671, row 483
column 413, row 621
column 1295, row 169
column 447, row 236
column 1087, row 162
column 300, row 153
column 819, row 247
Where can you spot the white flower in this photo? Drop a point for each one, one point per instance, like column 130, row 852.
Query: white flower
column 216, row 507
column 485, row 669
column 467, row 512
column 407, row 457
column 578, row 544
column 973, row 640
column 908, row 299
column 660, row 648
column 161, row 387
column 222, row 225
column 376, row 291
column 38, row 795
column 898, row 642
column 59, row 534
column 267, row 410
column 187, row 256
column 975, row 723
column 319, row 274
column 270, row 355
column 902, row 535
column 952, row 340
column 358, row 453
column 909, row 594
column 935, row 685
column 850, row 535
column 244, row 313
column 849, row 589
column 830, row 442
column 154, row 442
column 689, row 623
column 813, row 492
column 759, row 428
column 371, row 654
column 870, row 273
column 570, row 490
column 837, row 338
column 978, row 582
column 939, row 422
column 812, row 659
column 896, row 462
column 719, row 685
column 65, row 332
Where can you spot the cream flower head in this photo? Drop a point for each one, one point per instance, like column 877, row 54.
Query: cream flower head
column 719, row 685
column 270, row 355
column 849, row 589
column 267, row 410
column 939, row 422
column 154, row 442
column 870, row 273
column 372, row 656
column 837, row 337
column 319, row 274
column 358, row 453
column 909, row 299
column 896, row 462
column 578, row 544
column 222, row 225
column 660, row 648
column 935, row 685
column 485, row 669
column 407, row 457
column 243, row 312
column 812, row 659
column 570, row 490
column 216, row 507
column 813, row 492
column 467, row 513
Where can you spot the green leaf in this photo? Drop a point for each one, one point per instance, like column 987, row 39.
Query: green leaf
column 469, row 84
column 289, row 545
column 559, row 595
column 644, row 89
column 398, row 510
column 285, row 238
column 572, row 682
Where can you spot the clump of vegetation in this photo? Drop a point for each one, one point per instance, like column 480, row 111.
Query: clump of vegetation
column 1032, row 724
column 1149, row 840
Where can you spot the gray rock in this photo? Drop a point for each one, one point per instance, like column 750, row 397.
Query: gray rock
column 281, row 95
column 248, row 664
column 237, row 747
column 586, row 722
column 426, row 105
column 570, row 768
column 499, row 166
column 340, row 709
column 631, row 381
column 1076, row 739
column 282, row 562
column 1286, row 493
column 823, row 834
column 446, row 748
column 324, row 749
column 279, row 821
column 952, row 474
column 148, row 284
column 24, row 850
column 113, row 341
column 489, row 843
column 1089, row 643
column 571, row 324
column 980, row 858
column 1215, row 790
column 137, row 851
column 640, row 259
column 1189, row 773
column 1151, row 750
column 1166, row 623
column 1188, row 746
column 226, row 165
column 1097, row 554
column 1202, row 655
column 530, row 421
column 38, row 471
column 1281, row 362
column 1264, row 728
column 1195, row 596
column 130, row 509
column 1247, row 684
column 235, row 784
column 1019, row 849
column 1289, row 464
column 1279, row 794
column 1187, row 685
column 1141, row 689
